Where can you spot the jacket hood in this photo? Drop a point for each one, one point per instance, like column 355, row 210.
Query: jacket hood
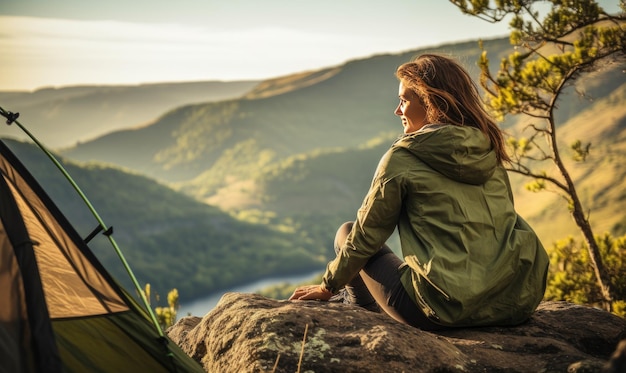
column 463, row 154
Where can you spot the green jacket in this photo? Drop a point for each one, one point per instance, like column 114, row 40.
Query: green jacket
column 470, row 259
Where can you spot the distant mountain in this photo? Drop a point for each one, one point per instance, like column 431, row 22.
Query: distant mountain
column 343, row 106
column 65, row 116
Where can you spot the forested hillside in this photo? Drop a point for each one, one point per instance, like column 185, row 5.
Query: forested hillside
column 170, row 240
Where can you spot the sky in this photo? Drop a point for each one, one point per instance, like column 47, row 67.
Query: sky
column 54, row 43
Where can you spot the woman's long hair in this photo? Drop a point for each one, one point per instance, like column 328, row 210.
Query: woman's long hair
column 450, row 96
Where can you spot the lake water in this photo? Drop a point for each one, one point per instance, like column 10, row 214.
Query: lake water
column 202, row 306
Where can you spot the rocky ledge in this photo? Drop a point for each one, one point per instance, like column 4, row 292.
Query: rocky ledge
column 251, row 333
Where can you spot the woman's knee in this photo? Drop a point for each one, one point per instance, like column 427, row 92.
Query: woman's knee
column 342, row 234
column 345, row 228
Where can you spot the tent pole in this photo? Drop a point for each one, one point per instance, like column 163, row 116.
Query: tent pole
column 12, row 118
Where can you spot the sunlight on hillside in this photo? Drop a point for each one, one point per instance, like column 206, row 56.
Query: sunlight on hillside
column 599, row 180
column 236, row 195
column 272, row 87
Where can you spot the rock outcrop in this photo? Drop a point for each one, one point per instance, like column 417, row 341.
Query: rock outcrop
column 251, row 333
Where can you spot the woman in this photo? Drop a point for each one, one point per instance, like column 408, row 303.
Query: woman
column 469, row 258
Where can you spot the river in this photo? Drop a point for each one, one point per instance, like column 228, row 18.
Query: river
column 202, row 306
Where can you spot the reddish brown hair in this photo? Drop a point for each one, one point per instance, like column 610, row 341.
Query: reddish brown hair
column 450, row 96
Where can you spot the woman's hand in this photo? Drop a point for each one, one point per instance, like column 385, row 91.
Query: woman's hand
column 311, row 292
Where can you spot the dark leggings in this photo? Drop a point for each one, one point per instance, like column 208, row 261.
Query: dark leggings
column 378, row 286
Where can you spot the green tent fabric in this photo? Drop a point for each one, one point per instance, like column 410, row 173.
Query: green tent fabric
column 60, row 310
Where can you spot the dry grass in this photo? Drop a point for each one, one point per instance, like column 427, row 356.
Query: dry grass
column 306, row 329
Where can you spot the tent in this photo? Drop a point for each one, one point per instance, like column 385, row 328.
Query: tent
column 60, row 310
